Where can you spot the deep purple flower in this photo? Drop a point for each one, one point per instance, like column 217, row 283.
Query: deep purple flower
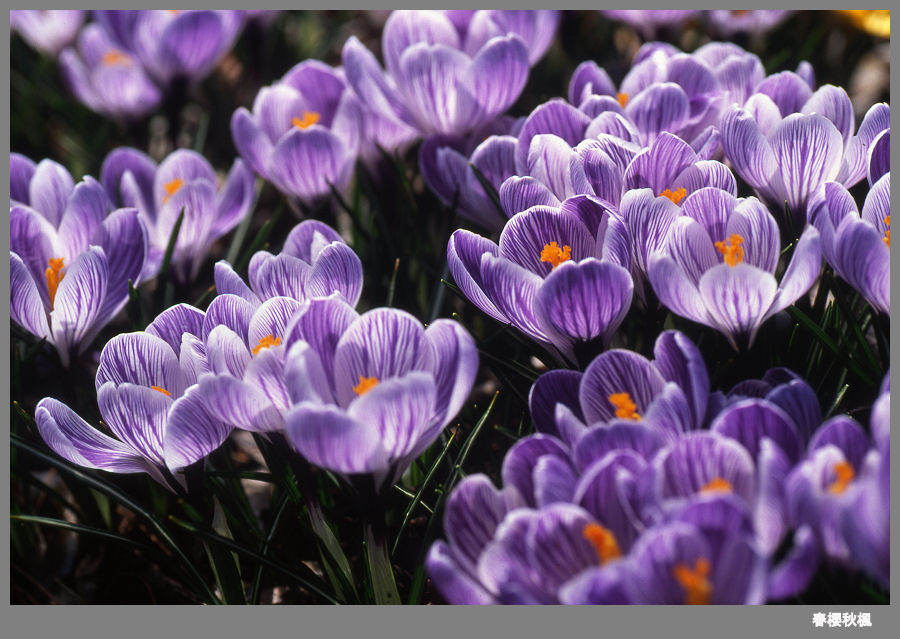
column 718, row 265
column 315, row 262
column 70, row 258
column 786, row 158
column 620, row 388
column 556, row 274
column 47, row 31
column 146, row 400
column 858, row 246
column 430, row 84
column 106, row 79
column 184, row 180
column 304, row 132
column 174, row 43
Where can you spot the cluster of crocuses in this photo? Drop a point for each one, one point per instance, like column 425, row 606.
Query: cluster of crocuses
column 631, row 191
column 360, row 394
column 643, row 487
column 123, row 62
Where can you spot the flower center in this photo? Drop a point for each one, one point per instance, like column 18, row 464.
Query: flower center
column 717, row 485
column 172, row 188
column 887, row 234
column 676, row 196
column 54, row 276
column 114, row 57
column 732, row 250
column 266, row 342
column 697, row 588
column 556, row 256
column 309, row 118
column 603, row 541
column 161, row 390
column 622, row 98
column 365, row 385
column 845, row 475
column 625, row 407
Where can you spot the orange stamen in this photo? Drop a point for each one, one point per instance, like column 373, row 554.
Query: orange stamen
column 887, row 234
column 365, row 385
column 603, row 541
column 717, row 485
column 54, row 276
column 161, row 390
column 622, row 98
column 113, row 57
column 697, row 588
column 845, row 475
column 172, row 188
column 676, row 196
column 309, row 118
column 732, row 249
column 266, row 342
column 625, row 407
column 556, row 256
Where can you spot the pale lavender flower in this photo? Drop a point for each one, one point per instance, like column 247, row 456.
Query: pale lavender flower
column 718, row 263
column 184, row 180
column 107, row 79
column 755, row 23
column 47, row 31
column 536, row 28
column 649, row 21
column 71, row 259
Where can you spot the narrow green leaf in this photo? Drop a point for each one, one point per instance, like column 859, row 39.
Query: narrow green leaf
column 259, row 240
column 241, row 231
column 393, row 285
column 489, row 190
column 84, row 530
column 829, row 343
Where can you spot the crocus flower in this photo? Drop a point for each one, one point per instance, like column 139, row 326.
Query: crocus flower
column 864, row 517
column 47, row 31
column 371, row 392
column 719, row 260
column 786, row 158
column 107, row 79
column 174, row 43
column 147, row 402
column 536, row 28
column 648, row 21
column 70, row 259
column 620, row 387
column 430, row 83
column 556, row 274
column 184, row 180
column 304, row 132
column 755, row 23
column 858, row 246
column 315, row 262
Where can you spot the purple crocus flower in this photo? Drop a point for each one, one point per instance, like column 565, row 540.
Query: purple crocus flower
column 315, row 262
column 536, row 28
column 107, row 79
column 864, row 517
column 786, row 158
column 174, row 43
column 648, row 21
column 70, row 259
column 620, row 388
column 304, row 133
column 371, row 392
column 556, row 274
column 184, row 180
column 47, row 31
column 719, row 260
column 146, row 400
column 857, row 245
column 430, row 83
column 755, row 23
